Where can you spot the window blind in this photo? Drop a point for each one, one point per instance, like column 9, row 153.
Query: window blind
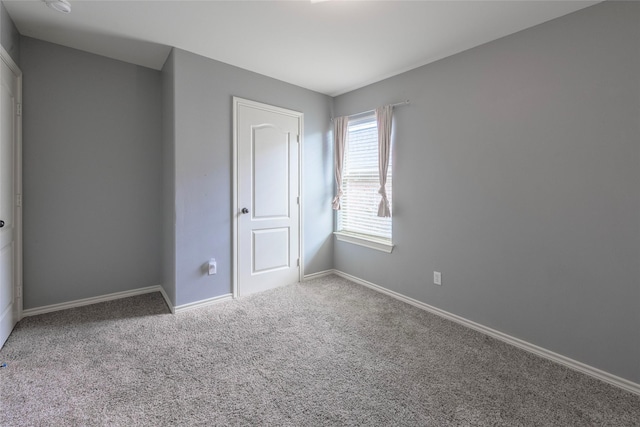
column 360, row 182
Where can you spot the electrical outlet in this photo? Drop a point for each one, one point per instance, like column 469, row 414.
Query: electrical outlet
column 213, row 267
column 437, row 278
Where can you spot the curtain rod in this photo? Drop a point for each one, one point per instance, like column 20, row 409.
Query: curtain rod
column 372, row 111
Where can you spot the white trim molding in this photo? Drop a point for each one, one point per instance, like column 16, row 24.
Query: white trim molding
column 371, row 242
column 516, row 342
column 125, row 294
column 318, row 275
column 17, row 283
column 203, row 303
column 93, row 300
column 167, row 300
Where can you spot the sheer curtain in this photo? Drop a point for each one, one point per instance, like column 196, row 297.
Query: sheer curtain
column 340, row 136
column 383, row 117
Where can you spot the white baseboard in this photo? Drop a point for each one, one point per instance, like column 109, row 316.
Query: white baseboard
column 203, row 303
column 167, row 300
column 89, row 301
column 318, row 274
column 524, row 345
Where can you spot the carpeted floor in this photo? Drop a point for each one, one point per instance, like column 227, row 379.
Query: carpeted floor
column 326, row 352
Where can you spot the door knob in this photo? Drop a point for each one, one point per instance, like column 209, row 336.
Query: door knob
column 245, row 211
column 1, row 223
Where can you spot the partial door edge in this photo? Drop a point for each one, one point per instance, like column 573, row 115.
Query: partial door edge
column 6, row 58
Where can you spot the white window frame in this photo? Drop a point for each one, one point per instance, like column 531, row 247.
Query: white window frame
column 367, row 240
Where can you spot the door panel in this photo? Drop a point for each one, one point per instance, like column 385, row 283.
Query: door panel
column 271, row 249
column 268, row 164
column 271, row 165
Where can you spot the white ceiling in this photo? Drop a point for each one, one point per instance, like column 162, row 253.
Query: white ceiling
column 330, row 47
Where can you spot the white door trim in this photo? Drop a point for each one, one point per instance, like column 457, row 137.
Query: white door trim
column 234, row 203
column 6, row 58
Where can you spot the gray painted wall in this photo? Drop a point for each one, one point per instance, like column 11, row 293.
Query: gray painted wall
column 203, row 155
column 92, row 148
column 168, row 179
column 9, row 36
column 516, row 171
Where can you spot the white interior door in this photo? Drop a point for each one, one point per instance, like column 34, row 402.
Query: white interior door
column 9, row 128
column 267, row 209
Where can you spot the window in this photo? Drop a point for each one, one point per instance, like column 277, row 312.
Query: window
column 358, row 220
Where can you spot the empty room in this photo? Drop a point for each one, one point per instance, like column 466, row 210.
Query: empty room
column 319, row 212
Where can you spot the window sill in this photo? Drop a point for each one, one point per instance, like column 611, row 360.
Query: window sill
column 364, row 240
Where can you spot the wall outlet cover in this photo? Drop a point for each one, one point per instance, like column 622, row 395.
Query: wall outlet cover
column 437, row 278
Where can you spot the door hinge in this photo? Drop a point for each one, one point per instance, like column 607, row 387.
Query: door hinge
column 19, row 200
column 298, row 200
column 298, row 262
column 19, row 292
column 298, row 138
column 19, row 109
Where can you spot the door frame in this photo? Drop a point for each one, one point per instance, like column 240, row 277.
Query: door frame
column 234, row 204
column 17, row 183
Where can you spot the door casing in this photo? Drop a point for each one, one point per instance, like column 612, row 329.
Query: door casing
column 234, row 205
column 17, row 196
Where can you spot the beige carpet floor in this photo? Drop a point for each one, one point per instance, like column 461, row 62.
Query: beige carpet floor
column 325, row 352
